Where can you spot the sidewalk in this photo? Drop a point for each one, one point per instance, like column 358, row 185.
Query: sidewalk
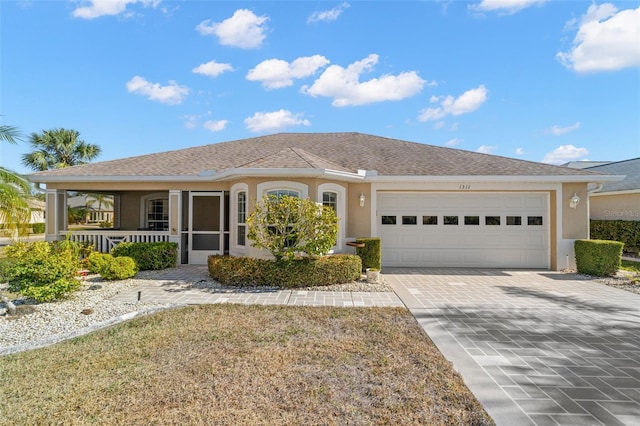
column 187, row 285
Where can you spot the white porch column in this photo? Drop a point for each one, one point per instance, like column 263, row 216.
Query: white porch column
column 56, row 209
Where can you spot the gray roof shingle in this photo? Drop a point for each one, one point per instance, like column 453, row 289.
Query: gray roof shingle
column 336, row 151
column 629, row 168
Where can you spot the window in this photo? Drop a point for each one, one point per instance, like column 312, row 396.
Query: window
column 335, row 196
column 534, row 220
column 492, row 220
column 157, row 214
column 330, row 199
column 450, row 220
column 388, row 220
column 472, row 220
column 429, row 220
column 514, row 220
column 409, row 220
column 241, row 205
column 283, row 192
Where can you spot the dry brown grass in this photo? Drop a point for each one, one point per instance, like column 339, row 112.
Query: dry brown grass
column 234, row 364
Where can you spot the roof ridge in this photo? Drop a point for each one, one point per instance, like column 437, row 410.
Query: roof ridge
column 310, row 158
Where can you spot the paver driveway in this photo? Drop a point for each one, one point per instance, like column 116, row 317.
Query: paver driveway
column 535, row 347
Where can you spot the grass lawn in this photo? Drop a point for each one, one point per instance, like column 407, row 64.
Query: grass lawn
column 238, row 364
column 630, row 266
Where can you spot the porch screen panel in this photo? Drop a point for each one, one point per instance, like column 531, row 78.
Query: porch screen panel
column 206, row 241
column 206, row 214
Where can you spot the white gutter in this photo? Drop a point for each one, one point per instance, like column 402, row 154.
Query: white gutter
column 360, row 176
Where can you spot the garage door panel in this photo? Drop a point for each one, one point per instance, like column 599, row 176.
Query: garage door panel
column 477, row 245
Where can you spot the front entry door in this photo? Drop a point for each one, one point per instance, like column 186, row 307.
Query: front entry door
column 205, row 226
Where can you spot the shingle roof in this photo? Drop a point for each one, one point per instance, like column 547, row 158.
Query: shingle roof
column 336, row 151
column 629, row 168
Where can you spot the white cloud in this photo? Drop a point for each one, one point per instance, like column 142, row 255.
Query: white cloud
column 212, row 68
column 244, row 29
column 327, row 15
column 171, row 94
column 486, row 149
column 97, row 8
column 344, row 86
column 468, row 102
column 607, row 40
column 274, row 121
column 557, row 130
column 505, row 6
column 453, row 142
column 564, row 153
column 190, row 121
column 215, row 125
column 519, row 151
column 276, row 73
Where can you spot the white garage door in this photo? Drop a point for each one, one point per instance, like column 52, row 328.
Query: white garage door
column 487, row 230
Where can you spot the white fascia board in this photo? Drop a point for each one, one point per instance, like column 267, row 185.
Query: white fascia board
column 498, row 179
column 626, row 192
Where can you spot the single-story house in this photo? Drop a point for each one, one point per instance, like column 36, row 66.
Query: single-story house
column 431, row 206
column 617, row 200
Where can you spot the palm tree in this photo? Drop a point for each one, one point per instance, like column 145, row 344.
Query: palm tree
column 14, row 193
column 101, row 199
column 58, row 148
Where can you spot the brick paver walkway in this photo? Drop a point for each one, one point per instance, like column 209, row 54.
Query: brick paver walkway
column 535, row 347
column 180, row 286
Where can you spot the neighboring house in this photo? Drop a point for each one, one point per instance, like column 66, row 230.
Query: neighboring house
column 431, row 206
column 37, row 211
column 97, row 211
column 617, row 200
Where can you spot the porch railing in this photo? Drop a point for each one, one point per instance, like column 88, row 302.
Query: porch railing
column 104, row 241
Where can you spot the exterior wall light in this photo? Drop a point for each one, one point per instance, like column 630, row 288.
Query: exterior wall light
column 362, row 199
column 573, row 201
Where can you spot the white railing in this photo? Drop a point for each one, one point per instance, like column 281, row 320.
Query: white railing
column 104, row 241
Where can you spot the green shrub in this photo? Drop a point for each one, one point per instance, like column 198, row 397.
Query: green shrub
column 300, row 272
column 105, row 224
column 98, row 261
column 119, row 268
column 37, row 228
column 625, row 231
column 43, row 271
column 371, row 253
column 149, row 256
column 598, row 257
column 289, row 225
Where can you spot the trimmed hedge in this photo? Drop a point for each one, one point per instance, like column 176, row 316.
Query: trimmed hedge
column 598, row 257
column 300, row 272
column 149, row 256
column 625, row 231
column 371, row 253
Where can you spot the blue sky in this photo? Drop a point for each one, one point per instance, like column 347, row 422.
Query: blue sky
column 550, row 81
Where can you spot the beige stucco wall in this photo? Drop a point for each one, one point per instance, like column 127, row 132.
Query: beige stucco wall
column 575, row 222
column 359, row 218
column 615, row 207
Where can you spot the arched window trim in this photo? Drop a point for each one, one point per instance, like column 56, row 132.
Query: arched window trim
column 235, row 190
column 144, row 214
column 340, row 211
column 301, row 188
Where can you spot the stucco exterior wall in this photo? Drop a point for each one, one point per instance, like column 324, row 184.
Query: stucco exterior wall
column 359, row 218
column 615, row 207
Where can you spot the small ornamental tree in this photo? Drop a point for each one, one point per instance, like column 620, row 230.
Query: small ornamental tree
column 289, row 225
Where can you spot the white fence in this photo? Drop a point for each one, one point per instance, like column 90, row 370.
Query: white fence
column 104, row 241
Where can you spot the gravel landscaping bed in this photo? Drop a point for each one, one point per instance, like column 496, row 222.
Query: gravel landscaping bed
column 39, row 324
